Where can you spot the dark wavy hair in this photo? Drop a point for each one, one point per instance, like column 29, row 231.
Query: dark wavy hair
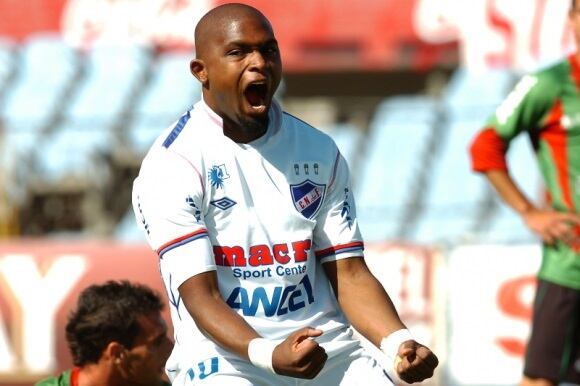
column 108, row 313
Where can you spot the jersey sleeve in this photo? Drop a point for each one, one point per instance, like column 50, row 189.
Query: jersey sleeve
column 522, row 110
column 168, row 204
column 63, row 379
column 337, row 235
column 50, row 381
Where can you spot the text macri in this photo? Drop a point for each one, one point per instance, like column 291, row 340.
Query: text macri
column 262, row 254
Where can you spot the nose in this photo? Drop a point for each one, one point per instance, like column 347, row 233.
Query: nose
column 257, row 61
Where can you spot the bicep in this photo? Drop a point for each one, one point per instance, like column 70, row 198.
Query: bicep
column 199, row 289
column 345, row 273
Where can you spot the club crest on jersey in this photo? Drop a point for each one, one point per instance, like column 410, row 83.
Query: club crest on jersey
column 217, row 174
column 307, row 197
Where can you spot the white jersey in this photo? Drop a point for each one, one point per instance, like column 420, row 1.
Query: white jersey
column 264, row 215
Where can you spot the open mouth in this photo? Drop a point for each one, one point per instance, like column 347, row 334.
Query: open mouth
column 257, row 96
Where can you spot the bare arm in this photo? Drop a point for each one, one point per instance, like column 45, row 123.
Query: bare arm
column 297, row 356
column 210, row 312
column 371, row 311
column 363, row 299
column 548, row 224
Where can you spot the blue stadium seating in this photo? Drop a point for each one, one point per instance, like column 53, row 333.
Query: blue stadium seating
column 72, row 151
column 467, row 88
column 113, row 74
column 152, row 92
column 171, row 91
column 7, row 62
column 127, row 231
column 45, row 69
column 47, row 66
column 348, row 139
column 455, row 192
column 8, row 65
column 506, row 225
column 397, row 134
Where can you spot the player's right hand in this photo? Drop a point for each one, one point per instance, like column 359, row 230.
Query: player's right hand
column 299, row 355
column 551, row 225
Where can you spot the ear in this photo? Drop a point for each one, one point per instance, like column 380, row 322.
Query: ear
column 198, row 69
column 114, row 352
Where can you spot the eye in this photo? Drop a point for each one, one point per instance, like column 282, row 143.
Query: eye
column 235, row 52
column 271, row 50
column 158, row 341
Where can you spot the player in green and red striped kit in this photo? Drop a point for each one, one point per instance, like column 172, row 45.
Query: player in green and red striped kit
column 117, row 337
column 546, row 105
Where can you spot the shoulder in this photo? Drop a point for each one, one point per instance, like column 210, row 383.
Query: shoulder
column 553, row 76
column 183, row 136
column 535, row 91
column 306, row 134
column 162, row 163
column 61, row 380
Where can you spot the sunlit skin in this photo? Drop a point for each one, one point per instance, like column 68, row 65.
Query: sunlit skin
column 238, row 64
column 145, row 361
column 141, row 365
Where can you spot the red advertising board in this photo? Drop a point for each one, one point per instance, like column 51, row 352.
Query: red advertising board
column 39, row 283
column 324, row 34
column 40, row 280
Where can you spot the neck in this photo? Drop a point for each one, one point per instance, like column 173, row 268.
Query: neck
column 98, row 374
column 239, row 132
column 245, row 132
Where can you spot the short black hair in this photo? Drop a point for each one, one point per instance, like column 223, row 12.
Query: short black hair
column 107, row 313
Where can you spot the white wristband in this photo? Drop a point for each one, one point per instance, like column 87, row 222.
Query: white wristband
column 260, row 352
column 390, row 344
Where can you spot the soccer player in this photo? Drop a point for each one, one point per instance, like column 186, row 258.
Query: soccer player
column 251, row 213
column 117, row 337
column 546, row 105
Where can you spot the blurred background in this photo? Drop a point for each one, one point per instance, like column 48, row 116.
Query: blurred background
column 401, row 85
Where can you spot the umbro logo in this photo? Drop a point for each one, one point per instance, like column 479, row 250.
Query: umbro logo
column 223, row 203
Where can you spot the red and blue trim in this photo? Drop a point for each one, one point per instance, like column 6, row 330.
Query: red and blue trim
column 181, row 241
column 341, row 248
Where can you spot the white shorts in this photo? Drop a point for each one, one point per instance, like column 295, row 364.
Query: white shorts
column 352, row 367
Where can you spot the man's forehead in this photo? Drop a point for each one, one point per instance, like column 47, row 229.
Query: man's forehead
column 240, row 29
column 151, row 326
column 229, row 26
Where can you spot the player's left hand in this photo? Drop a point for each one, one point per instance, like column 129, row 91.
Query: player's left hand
column 415, row 362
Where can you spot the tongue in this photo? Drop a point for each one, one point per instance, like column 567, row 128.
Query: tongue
column 254, row 96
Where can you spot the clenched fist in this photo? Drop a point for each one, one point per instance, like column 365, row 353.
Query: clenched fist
column 299, row 356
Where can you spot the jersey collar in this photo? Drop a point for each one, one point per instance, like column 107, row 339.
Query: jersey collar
column 275, row 115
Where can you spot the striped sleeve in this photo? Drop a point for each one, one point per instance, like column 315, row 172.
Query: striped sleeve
column 337, row 235
column 521, row 111
column 180, row 241
column 168, row 202
column 488, row 151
